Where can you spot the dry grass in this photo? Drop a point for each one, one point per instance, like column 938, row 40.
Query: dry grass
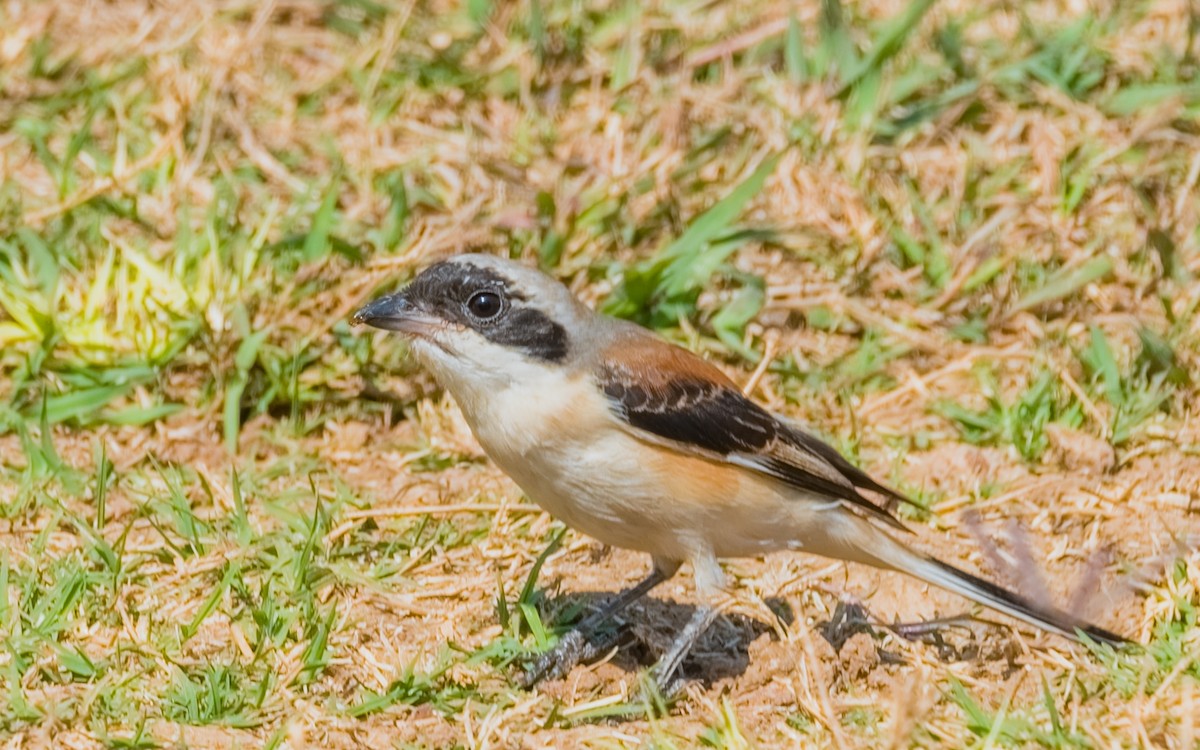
column 226, row 520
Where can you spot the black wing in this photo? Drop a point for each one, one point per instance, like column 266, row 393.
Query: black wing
column 714, row 418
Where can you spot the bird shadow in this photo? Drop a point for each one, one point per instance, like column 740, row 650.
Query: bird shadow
column 645, row 631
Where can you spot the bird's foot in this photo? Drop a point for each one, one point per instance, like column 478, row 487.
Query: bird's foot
column 573, row 648
column 656, row 693
column 666, row 680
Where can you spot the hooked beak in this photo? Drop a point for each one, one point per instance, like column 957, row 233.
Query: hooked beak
column 396, row 313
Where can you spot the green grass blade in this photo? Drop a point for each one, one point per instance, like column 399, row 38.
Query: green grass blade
column 316, row 242
column 231, row 416
column 730, row 321
column 889, row 41
column 683, row 254
column 1135, row 98
column 1066, row 282
column 210, row 604
column 531, row 580
column 625, row 65
column 140, row 415
column 794, row 58
column 1106, row 367
column 835, row 47
column 81, row 404
column 985, row 272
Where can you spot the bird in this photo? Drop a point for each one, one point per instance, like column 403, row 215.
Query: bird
column 644, row 445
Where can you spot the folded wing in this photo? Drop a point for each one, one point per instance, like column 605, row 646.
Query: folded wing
column 679, row 400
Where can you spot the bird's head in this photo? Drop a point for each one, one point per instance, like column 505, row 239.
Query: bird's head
column 476, row 319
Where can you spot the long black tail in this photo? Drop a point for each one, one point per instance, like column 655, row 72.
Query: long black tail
column 1003, row 600
column 879, row 548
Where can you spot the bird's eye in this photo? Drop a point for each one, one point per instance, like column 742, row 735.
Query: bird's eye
column 485, row 305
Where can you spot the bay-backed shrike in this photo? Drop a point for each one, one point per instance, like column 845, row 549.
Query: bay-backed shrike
column 644, row 445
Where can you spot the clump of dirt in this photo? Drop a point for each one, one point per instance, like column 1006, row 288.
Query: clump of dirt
column 1076, row 450
column 858, row 656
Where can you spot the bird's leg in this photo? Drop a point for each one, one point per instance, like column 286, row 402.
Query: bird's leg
column 576, row 645
column 665, row 671
column 710, row 580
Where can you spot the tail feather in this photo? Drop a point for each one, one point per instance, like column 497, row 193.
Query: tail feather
column 1002, row 600
column 889, row 553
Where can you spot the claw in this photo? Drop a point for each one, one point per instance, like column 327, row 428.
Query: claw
column 589, row 639
column 666, row 676
column 573, row 648
column 556, row 662
column 657, row 694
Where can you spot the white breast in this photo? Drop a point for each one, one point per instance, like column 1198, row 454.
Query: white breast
column 553, row 434
column 551, row 430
